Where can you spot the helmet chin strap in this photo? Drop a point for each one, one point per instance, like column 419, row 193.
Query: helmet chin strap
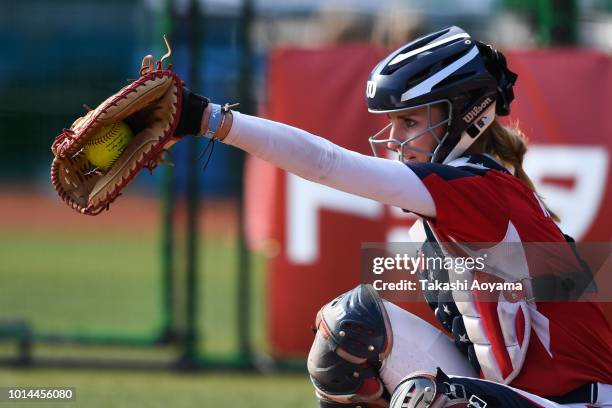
column 473, row 132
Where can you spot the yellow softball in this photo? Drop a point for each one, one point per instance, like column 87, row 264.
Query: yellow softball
column 107, row 144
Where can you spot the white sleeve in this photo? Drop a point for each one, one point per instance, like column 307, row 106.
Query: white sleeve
column 319, row 160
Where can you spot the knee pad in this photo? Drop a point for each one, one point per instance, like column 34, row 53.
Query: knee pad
column 426, row 390
column 353, row 337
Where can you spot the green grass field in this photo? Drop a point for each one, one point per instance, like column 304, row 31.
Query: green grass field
column 161, row 389
column 109, row 284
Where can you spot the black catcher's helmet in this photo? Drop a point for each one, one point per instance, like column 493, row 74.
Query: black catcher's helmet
column 447, row 66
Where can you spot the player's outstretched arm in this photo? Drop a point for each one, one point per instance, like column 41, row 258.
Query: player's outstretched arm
column 313, row 157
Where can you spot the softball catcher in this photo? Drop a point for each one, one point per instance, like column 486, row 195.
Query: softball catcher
column 461, row 171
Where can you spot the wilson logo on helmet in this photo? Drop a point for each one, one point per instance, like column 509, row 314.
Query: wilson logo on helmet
column 477, row 110
column 371, row 89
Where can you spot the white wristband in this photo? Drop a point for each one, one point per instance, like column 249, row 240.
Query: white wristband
column 214, row 120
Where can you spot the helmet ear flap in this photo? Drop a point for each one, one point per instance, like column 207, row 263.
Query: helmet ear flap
column 496, row 64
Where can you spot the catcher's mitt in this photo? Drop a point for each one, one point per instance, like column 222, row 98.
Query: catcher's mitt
column 151, row 107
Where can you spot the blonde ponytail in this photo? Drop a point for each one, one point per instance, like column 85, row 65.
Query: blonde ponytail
column 509, row 145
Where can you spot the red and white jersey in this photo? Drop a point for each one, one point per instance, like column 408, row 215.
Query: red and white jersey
column 547, row 348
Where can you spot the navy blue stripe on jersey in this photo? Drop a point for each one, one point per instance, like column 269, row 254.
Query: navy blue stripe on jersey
column 466, row 166
column 486, row 161
column 444, row 171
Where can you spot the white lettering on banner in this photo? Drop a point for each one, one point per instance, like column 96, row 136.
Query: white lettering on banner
column 305, row 199
column 399, row 234
column 587, row 165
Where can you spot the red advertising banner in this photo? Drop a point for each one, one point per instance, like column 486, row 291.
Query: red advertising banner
column 313, row 234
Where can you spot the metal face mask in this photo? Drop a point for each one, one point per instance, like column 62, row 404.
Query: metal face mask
column 380, row 144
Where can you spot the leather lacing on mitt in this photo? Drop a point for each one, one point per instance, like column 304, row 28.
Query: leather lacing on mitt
column 150, row 106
